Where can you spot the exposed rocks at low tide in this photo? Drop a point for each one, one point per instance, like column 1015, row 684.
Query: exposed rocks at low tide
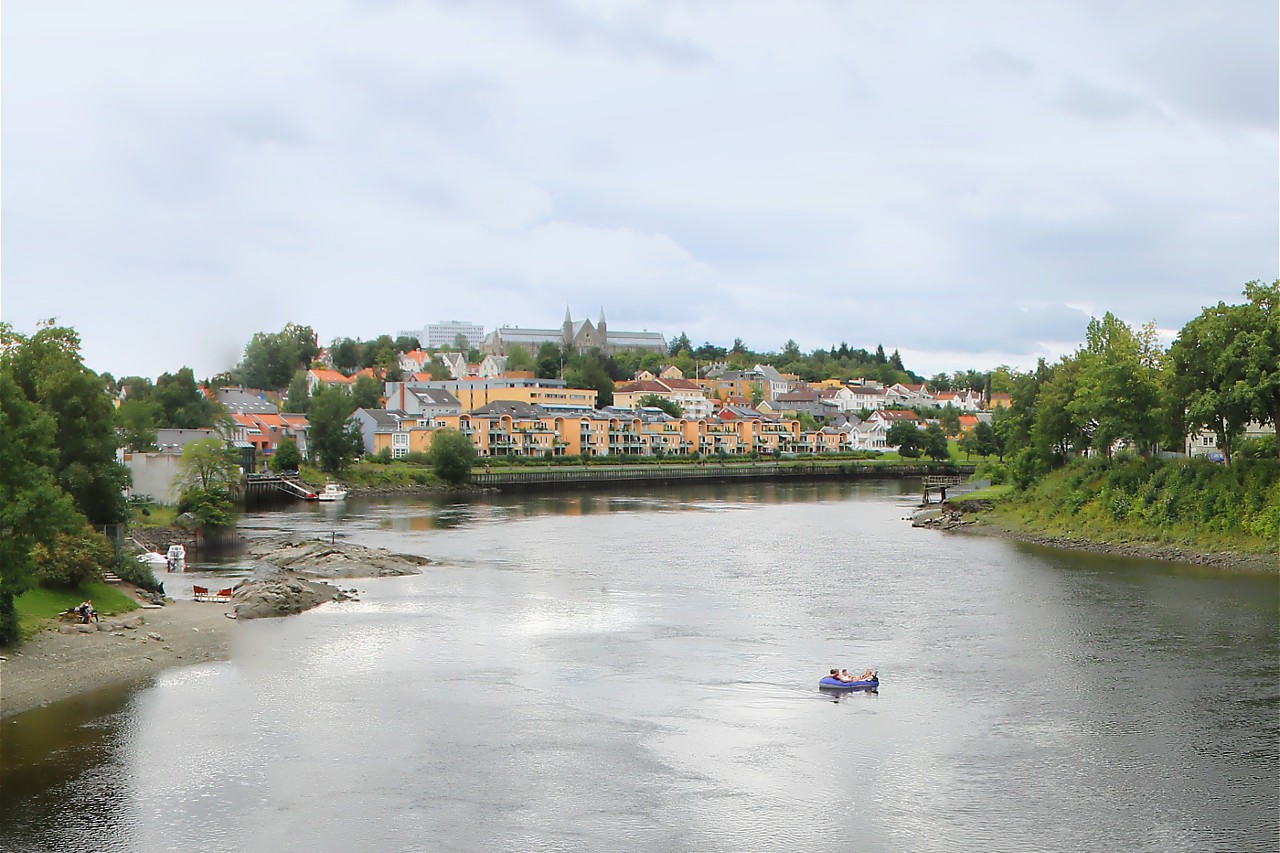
column 282, row 595
column 316, row 559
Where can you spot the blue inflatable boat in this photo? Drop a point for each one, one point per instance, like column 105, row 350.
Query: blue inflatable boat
column 829, row 683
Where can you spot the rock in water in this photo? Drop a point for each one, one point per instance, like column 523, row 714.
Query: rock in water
column 334, row 560
column 283, row 595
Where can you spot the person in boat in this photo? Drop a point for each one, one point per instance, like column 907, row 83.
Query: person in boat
column 868, row 675
column 845, row 676
column 835, row 673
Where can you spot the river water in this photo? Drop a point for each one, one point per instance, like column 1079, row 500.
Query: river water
column 638, row 671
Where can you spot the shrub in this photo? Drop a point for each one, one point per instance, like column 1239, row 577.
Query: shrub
column 137, row 573
column 452, row 455
column 72, row 558
column 212, row 506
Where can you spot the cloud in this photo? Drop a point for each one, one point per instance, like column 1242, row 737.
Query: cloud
column 962, row 184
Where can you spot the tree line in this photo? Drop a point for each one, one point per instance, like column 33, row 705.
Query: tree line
column 1122, row 390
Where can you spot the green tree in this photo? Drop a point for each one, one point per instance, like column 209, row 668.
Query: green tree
column 136, row 425
column 988, row 441
column 519, row 359
column 807, row 422
column 1208, row 364
column 969, row 443
column 287, row 457
column 588, row 371
column 451, row 456
column 271, row 359
column 949, row 416
column 1261, row 342
column 344, row 354
column 334, row 439
column 33, row 509
column 366, row 393
column 298, row 398
column 907, row 437
column 935, row 443
column 48, row 368
column 206, row 464
column 1118, row 391
column 549, row 361
column 180, row 403
column 653, row 401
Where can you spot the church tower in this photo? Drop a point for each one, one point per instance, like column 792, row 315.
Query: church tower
column 566, row 330
column 602, row 330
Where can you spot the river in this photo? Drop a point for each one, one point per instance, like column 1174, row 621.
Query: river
column 637, row 671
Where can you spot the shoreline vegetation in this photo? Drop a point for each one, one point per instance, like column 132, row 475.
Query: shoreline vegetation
column 1179, row 510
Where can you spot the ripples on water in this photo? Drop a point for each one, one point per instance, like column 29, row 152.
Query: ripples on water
column 638, row 672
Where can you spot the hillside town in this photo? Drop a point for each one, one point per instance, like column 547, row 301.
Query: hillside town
column 481, row 386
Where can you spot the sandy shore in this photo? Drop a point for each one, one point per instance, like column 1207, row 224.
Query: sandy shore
column 52, row 666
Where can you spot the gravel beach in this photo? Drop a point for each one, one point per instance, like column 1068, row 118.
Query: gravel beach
column 52, row 666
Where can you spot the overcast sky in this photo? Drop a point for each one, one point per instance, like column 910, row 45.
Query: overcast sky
column 967, row 182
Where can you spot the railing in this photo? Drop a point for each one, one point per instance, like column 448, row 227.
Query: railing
column 700, row 471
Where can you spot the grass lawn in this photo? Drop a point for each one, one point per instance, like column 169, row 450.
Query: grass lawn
column 990, row 493
column 154, row 515
column 37, row 606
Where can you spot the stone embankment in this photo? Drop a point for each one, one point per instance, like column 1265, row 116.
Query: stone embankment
column 282, row 595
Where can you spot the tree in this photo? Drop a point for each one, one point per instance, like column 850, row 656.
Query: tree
column 33, row 509
column 988, row 441
column 451, row 456
column 366, row 393
column 136, row 424
column 344, row 354
column 807, row 422
column 549, row 360
column 935, row 443
column 588, row 372
column 206, row 464
column 655, row 402
column 969, row 443
column 880, row 358
column 212, row 506
column 460, row 343
column 270, row 360
column 950, row 418
column 286, row 457
column 180, row 403
column 1261, row 342
column 298, row 398
column 48, row 368
column 680, row 344
column 895, row 361
column 335, row 440
column 907, row 437
column 1207, row 379
column 1118, row 392
column 519, row 359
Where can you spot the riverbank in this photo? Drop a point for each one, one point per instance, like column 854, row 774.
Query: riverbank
column 51, row 665
column 981, row 519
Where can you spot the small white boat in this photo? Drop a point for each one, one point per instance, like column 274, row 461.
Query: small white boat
column 332, row 492
column 153, row 558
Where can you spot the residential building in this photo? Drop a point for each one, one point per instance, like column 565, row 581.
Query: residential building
column 317, row 377
column 474, row 393
column 154, row 472
column 909, row 396
column 686, row 394
column 421, row 401
column 237, row 400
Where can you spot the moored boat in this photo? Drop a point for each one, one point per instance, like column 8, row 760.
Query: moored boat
column 332, row 492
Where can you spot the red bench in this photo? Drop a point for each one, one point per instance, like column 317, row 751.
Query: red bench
column 201, row 593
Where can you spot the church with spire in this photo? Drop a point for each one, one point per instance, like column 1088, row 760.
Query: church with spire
column 580, row 336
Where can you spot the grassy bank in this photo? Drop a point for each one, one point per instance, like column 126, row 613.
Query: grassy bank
column 1194, row 504
column 38, row 607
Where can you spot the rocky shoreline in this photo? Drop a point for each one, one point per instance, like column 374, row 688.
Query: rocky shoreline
column 70, row 659
column 975, row 517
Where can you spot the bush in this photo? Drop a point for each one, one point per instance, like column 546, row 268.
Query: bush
column 135, row 572
column 8, row 619
column 996, row 472
column 452, row 456
column 212, row 506
column 72, row 558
